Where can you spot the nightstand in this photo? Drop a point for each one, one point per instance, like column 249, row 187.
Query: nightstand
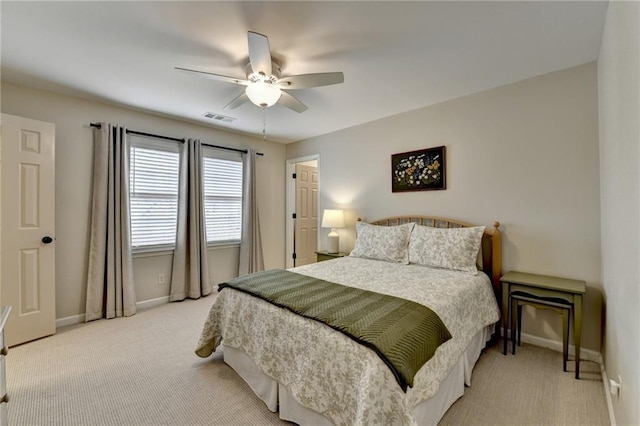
column 551, row 292
column 323, row 255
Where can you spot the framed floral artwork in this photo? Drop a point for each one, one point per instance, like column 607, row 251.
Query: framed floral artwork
column 422, row 170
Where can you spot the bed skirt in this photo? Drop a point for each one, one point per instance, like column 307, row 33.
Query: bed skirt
column 429, row 412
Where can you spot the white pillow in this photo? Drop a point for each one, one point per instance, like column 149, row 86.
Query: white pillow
column 388, row 243
column 448, row 248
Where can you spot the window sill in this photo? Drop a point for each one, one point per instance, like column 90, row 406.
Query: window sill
column 219, row 246
column 152, row 252
column 165, row 251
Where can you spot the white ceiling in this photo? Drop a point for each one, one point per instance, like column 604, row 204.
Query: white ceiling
column 396, row 56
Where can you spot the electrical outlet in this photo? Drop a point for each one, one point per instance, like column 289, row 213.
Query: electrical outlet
column 619, row 385
column 161, row 279
column 615, row 387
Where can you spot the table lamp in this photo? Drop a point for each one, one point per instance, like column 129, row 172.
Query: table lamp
column 333, row 219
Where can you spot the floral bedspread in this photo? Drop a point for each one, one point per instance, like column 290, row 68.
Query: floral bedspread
column 330, row 373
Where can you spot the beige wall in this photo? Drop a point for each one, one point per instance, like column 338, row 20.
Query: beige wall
column 74, row 157
column 525, row 154
column 619, row 96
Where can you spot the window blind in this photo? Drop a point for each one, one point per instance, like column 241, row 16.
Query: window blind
column 154, row 196
column 223, row 198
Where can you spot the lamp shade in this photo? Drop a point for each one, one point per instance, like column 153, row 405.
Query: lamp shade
column 333, row 219
column 263, row 94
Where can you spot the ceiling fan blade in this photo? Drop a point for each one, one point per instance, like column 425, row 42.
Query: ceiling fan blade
column 214, row 76
column 305, row 81
column 259, row 53
column 237, row 101
column 291, row 102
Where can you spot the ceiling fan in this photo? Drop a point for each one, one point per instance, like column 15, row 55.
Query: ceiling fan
column 264, row 84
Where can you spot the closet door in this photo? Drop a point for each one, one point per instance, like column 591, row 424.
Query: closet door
column 27, row 256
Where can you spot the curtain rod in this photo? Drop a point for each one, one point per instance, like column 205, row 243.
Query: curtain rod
column 169, row 138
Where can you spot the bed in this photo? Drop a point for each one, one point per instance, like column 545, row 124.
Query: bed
column 312, row 374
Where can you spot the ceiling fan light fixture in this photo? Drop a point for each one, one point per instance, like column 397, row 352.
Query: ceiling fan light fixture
column 263, row 94
column 264, row 85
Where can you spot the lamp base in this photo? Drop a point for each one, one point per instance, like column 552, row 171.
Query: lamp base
column 333, row 242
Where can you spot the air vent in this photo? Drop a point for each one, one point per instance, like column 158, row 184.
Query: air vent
column 218, row 117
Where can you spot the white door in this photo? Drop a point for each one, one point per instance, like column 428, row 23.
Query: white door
column 306, row 232
column 27, row 255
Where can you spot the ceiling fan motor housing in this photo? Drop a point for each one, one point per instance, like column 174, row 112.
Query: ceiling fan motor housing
column 254, row 77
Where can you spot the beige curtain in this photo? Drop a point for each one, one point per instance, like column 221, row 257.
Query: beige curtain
column 251, row 259
column 110, row 288
column 190, row 274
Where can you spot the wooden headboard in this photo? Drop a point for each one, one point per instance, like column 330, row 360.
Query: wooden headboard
column 490, row 251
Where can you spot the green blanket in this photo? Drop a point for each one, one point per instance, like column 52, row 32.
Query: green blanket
column 403, row 333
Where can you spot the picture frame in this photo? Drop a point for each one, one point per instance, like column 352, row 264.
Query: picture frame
column 421, row 170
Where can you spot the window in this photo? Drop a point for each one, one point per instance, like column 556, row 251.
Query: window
column 153, row 186
column 223, row 196
column 154, row 167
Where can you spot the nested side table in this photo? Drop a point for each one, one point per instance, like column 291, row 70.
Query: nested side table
column 561, row 293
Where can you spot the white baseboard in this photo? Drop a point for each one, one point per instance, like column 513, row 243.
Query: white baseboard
column 152, row 303
column 605, row 382
column 586, row 354
column 142, row 305
column 75, row 319
column 556, row 345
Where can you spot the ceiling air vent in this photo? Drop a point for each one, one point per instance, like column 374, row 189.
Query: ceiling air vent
column 218, row 117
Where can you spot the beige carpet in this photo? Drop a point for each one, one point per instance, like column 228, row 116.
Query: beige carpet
column 530, row 388
column 142, row 370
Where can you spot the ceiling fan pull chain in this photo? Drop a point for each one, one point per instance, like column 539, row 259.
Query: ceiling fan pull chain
column 264, row 124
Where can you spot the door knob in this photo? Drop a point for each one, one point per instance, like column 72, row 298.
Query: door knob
column 47, row 240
